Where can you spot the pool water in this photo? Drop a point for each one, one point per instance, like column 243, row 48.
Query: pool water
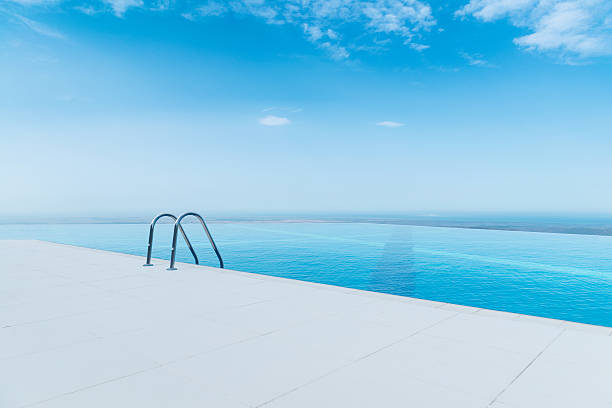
column 560, row 276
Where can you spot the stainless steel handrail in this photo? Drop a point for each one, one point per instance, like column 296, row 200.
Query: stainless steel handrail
column 150, row 246
column 177, row 225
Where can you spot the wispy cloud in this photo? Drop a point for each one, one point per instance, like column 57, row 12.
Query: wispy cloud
column 417, row 46
column 390, row 124
column 39, row 27
column 476, row 60
column 212, row 8
column 34, row 2
column 337, row 27
column 89, row 10
column 272, row 120
column 328, row 24
column 120, row 6
column 161, row 5
column 570, row 28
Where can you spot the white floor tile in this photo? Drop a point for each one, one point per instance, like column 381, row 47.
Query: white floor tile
column 364, row 385
column 37, row 377
column 556, row 383
column 156, row 388
column 42, row 336
column 471, row 368
column 508, row 334
column 259, row 369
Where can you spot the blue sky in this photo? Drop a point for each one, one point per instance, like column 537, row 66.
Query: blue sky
column 131, row 106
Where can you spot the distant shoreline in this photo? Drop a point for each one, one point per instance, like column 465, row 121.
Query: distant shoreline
column 576, row 226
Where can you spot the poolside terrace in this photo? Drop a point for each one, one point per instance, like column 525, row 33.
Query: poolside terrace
column 88, row 328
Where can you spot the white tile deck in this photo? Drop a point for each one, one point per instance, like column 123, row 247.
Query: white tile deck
column 87, row 328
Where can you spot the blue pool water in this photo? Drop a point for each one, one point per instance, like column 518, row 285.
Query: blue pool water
column 560, row 276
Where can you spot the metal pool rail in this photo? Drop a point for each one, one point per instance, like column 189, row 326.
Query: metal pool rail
column 152, row 229
column 177, row 227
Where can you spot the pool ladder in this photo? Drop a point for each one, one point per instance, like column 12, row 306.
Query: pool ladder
column 177, row 227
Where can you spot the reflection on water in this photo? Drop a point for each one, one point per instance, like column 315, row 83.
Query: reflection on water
column 395, row 271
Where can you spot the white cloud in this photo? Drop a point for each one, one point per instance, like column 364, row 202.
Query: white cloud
column 313, row 33
column 212, row 8
column 475, row 60
column 335, row 51
column 89, row 10
column 490, row 10
column 326, row 23
column 331, row 34
column 161, row 5
column 390, row 124
column 338, row 27
column 272, row 120
column 570, row 28
column 418, row 47
column 188, row 16
column 120, row 6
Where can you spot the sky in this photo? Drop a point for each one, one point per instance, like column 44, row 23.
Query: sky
column 135, row 106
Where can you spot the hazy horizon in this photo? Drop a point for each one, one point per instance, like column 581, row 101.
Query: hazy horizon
column 583, row 224
column 236, row 214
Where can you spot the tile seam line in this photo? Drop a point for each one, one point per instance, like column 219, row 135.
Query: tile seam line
column 157, row 366
column 91, row 386
column 54, row 348
column 352, row 362
column 96, row 336
column 526, row 367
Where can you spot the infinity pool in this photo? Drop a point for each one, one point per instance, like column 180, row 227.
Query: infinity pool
column 550, row 275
